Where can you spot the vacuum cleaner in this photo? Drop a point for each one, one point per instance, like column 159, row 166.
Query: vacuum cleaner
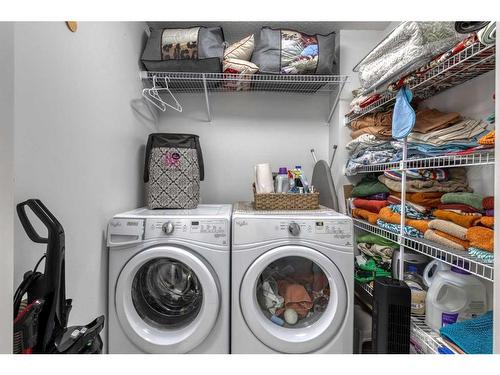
column 41, row 310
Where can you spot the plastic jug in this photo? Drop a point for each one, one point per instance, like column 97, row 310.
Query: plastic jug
column 281, row 183
column 454, row 295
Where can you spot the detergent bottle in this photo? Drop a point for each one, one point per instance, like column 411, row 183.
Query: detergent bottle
column 454, row 295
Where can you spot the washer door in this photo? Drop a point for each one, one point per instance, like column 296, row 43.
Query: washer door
column 293, row 299
column 167, row 300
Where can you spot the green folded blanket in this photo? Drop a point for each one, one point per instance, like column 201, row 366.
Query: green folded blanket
column 377, row 240
column 369, row 185
column 471, row 199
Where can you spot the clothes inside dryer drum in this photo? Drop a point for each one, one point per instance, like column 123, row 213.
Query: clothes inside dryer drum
column 293, row 292
column 166, row 293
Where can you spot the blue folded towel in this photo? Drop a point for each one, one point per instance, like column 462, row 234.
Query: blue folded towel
column 474, row 336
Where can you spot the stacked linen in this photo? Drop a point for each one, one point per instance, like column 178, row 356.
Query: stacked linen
column 389, row 218
column 370, row 197
column 376, row 257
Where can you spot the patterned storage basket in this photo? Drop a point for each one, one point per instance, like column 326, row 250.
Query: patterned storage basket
column 173, row 171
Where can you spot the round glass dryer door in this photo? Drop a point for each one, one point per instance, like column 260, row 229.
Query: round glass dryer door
column 167, row 300
column 293, row 299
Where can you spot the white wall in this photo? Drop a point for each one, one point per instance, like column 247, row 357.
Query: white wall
column 6, row 182
column 78, row 145
column 248, row 129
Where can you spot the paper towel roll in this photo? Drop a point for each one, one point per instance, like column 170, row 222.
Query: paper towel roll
column 264, row 179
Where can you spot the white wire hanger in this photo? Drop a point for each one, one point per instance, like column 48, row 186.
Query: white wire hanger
column 153, row 96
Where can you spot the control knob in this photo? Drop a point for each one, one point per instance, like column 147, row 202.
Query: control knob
column 168, row 227
column 294, row 229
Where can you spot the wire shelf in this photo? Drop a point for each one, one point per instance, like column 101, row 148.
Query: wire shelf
column 424, row 339
column 447, row 161
column 180, row 82
column 457, row 258
column 473, row 61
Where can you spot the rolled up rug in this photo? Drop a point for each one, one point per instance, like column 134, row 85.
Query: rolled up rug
column 481, row 237
column 467, row 27
column 448, row 227
column 488, row 34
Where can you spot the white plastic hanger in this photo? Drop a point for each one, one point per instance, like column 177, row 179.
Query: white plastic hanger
column 153, row 96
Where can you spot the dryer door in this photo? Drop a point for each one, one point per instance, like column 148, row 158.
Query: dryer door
column 294, row 299
column 167, row 300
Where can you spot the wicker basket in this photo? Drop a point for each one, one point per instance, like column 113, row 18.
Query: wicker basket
column 280, row 201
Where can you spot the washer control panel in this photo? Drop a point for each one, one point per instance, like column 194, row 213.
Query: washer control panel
column 250, row 230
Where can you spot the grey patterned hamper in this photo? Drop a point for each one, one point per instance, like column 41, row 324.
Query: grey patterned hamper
column 173, row 171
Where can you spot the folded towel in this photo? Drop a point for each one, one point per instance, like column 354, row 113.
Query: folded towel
column 395, row 228
column 409, row 211
column 419, row 186
column 489, row 203
column 395, row 200
column 473, row 336
column 377, row 240
column 459, row 207
column 487, row 221
column 443, row 239
column 470, row 199
column 488, row 139
column 481, row 237
column 426, row 199
column 369, row 185
column 465, row 221
column 489, row 212
column 378, row 197
column 485, row 256
column 359, row 213
column 387, row 215
column 369, row 205
column 448, row 227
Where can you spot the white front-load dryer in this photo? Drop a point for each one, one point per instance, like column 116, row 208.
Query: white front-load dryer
column 169, row 281
column 292, row 281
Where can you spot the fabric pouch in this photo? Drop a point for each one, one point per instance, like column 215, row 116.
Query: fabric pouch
column 403, row 117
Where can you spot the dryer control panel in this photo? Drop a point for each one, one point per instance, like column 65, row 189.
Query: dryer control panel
column 333, row 232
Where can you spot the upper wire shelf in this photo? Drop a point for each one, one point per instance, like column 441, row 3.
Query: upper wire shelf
column 473, row 61
column 446, row 161
column 206, row 83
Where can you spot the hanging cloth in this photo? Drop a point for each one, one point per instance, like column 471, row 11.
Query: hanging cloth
column 403, row 117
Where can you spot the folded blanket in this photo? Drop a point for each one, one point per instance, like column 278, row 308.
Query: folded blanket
column 448, row 227
column 387, row 215
column 378, row 197
column 377, row 240
column 379, row 252
column 489, row 203
column 380, row 132
column 465, row 221
column 396, row 228
column 369, row 185
column 458, row 207
column 363, row 142
column 435, row 236
column 359, row 213
column 395, row 200
column 481, row 237
column 473, row 336
column 438, row 174
column 488, row 139
column 485, row 256
column 369, row 205
column 409, row 211
column 427, row 199
column 378, row 119
column 489, row 212
column 456, row 183
column 487, row 221
column 470, row 199
column 429, row 119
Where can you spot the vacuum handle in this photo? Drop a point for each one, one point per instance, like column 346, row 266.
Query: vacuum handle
column 43, row 214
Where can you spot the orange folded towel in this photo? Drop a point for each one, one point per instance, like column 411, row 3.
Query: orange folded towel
column 487, row 221
column 481, row 238
column 463, row 243
column 465, row 221
column 369, row 204
column 359, row 213
column 387, row 215
column 426, row 199
column 488, row 139
column 437, row 237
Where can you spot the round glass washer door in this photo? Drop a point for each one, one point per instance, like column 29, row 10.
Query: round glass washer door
column 293, row 299
column 167, row 300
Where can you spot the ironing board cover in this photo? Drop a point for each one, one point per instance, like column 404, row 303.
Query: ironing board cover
column 323, row 181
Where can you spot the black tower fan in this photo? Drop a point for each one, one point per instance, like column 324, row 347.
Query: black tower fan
column 391, row 316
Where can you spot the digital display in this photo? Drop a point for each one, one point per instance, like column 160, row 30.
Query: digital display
column 195, row 223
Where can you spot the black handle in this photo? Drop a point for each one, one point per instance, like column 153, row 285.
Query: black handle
column 45, row 216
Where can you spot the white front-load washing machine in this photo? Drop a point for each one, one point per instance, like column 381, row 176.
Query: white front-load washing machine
column 169, row 281
column 292, row 281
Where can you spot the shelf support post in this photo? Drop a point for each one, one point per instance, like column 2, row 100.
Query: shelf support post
column 207, row 102
column 403, row 210
column 336, row 102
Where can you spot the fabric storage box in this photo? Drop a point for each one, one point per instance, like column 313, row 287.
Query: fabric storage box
column 195, row 49
column 173, row 170
column 282, row 51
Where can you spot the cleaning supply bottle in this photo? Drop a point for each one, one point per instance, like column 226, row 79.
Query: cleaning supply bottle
column 418, row 290
column 454, row 295
column 297, row 172
column 281, row 184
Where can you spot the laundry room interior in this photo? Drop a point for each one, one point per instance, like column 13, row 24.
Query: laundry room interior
column 249, row 187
